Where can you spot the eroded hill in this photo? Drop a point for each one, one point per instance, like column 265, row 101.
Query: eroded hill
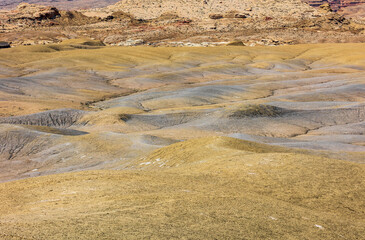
column 102, row 142
column 134, row 100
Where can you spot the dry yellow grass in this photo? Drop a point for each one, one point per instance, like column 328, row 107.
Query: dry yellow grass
column 65, row 55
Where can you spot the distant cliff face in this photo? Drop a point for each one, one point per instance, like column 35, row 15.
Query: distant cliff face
column 199, row 9
column 335, row 4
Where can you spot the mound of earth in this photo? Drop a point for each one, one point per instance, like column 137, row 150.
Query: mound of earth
column 74, row 18
column 257, row 111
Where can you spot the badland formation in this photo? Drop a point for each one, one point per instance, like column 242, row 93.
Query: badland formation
column 193, row 119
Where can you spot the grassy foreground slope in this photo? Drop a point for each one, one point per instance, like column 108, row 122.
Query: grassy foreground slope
column 206, row 188
column 38, row 78
column 149, row 156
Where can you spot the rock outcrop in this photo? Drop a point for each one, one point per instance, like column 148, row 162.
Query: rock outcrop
column 192, row 23
column 149, row 9
column 33, row 12
column 326, row 8
column 53, row 118
column 4, row 45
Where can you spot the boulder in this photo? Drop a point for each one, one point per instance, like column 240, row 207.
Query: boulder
column 131, row 42
column 4, row 45
column 235, row 14
column 236, row 43
column 215, row 16
column 113, row 39
column 325, row 8
column 240, row 15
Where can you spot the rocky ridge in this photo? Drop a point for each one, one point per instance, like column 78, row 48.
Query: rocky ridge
column 188, row 23
column 26, row 11
column 194, row 9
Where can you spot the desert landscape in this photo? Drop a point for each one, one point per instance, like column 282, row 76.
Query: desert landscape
column 182, row 120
